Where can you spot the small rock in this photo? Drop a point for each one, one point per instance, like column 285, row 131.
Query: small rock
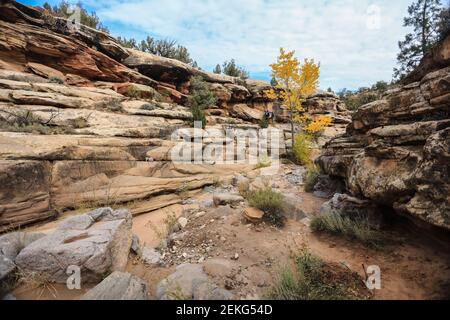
column 253, row 214
column 135, row 244
column 235, row 257
column 150, row 256
column 205, row 204
column 200, row 214
column 182, row 221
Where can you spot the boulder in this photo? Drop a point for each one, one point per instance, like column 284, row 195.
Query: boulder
column 189, row 281
column 136, row 245
column 221, row 199
column 100, row 248
column 150, row 256
column 244, row 112
column 118, row 286
column 12, row 243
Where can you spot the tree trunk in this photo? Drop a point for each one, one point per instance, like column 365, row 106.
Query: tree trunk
column 424, row 27
column 292, row 130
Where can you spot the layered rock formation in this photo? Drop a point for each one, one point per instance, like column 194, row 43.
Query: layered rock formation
column 396, row 151
column 84, row 121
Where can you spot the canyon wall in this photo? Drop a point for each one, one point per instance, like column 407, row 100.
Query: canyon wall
column 396, row 151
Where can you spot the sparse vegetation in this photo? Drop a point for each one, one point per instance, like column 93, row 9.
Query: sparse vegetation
column 112, row 105
column 79, row 123
column 314, row 279
column 133, row 93
column 29, row 122
column 56, row 80
column 357, row 229
column 311, row 177
column 364, row 95
column 35, row 281
column 270, row 202
column 302, row 148
column 230, row 68
column 65, row 10
column 163, row 47
column 184, row 190
column 148, row 107
column 263, row 123
column 263, row 162
column 201, row 98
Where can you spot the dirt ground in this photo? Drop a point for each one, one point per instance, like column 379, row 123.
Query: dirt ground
column 247, row 258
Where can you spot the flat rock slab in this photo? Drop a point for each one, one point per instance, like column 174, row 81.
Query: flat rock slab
column 100, row 248
column 118, row 286
column 253, row 214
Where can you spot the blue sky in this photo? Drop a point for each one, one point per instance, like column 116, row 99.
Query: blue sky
column 354, row 40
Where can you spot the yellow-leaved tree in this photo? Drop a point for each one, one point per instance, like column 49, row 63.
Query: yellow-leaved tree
column 294, row 82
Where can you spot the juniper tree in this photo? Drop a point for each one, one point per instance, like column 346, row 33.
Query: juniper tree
column 424, row 16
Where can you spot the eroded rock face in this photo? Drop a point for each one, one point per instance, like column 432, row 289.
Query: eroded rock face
column 97, row 242
column 396, row 150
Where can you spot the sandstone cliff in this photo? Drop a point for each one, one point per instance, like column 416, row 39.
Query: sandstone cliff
column 396, row 151
column 84, row 121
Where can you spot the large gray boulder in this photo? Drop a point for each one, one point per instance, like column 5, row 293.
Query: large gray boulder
column 98, row 243
column 12, row 243
column 10, row 246
column 118, row 286
column 6, row 267
column 188, row 282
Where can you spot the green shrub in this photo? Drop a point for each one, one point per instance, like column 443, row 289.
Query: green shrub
column 357, row 229
column 263, row 123
column 201, row 98
column 56, row 80
column 148, row 107
column 270, row 202
column 311, row 177
column 24, row 121
column 112, row 105
column 263, row 162
column 78, row 123
column 313, row 279
column 302, row 148
column 133, row 93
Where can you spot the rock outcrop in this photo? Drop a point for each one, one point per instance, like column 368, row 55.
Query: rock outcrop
column 97, row 242
column 84, row 120
column 396, row 151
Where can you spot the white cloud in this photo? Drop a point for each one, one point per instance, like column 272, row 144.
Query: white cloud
column 335, row 32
